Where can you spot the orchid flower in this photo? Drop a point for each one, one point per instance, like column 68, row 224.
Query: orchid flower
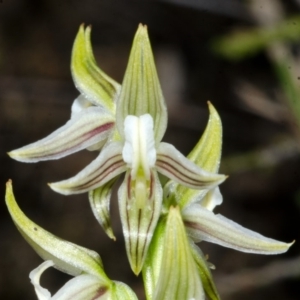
column 90, row 281
column 131, row 134
column 188, row 218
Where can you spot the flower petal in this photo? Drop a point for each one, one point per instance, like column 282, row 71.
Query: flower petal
column 139, row 211
column 204, row 272
column 179, row 278
column 67, row 257
column 141, row 92
column 212, row 199
column 153, row 261
column 99, row 201
column 121, row 291
column 139, row 148
column 205, row 225
column 42, row 293
column 92, row 82
column 79, row 104
column 83, row 287
column 206, row 155
column 105, row 167
column 171, row 163
column 87, row 128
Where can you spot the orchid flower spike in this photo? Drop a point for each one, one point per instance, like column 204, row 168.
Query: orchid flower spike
column 188, row 218
column 90, row 281
column 131, row 134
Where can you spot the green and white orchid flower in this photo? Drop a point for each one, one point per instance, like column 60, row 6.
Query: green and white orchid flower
column 128, row 123
column 173, row 259
column 90, row 281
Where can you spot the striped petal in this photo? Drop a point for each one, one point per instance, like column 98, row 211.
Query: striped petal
column 93, row 83
column 99, row 201
column 141, row 92
column 82, row 287
column 179, row 277
column 139, row 211
column 171, row 163
column 205, row 225
column 86, row 129
column 105, row 167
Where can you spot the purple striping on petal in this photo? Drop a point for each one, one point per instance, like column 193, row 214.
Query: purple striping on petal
column 167, row 166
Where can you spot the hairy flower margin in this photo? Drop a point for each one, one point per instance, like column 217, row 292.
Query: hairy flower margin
column 126, row 124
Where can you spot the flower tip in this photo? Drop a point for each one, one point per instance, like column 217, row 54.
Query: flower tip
column 292, row 243
column 11, row 154
column 55, row 187
column 9, row 183
column 136, row 269
column 142, row 27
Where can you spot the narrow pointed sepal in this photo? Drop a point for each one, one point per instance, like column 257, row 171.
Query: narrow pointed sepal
column 105, row 167
column 153, row 261
column 67, row 257
column 99, row 201
column 204, row 272
column 206, row 155
column 86, row 129
column 171, row 163
column 92, row 82
column 179, row 277
column 139, row 211
column 141, row 92
column 203, row 224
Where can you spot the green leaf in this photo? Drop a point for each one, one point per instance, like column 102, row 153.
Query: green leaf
column 245, row 43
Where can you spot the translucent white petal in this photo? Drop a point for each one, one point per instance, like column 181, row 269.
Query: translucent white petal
column 42, row 293
column 83, row 287
column 205, row 225
column 212, row 199
column 87, row 128
column 105, row 167
column 139, row 148
column 171, row 163
column 79, row 104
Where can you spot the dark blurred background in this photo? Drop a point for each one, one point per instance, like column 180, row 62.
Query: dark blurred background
column 259, row 114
